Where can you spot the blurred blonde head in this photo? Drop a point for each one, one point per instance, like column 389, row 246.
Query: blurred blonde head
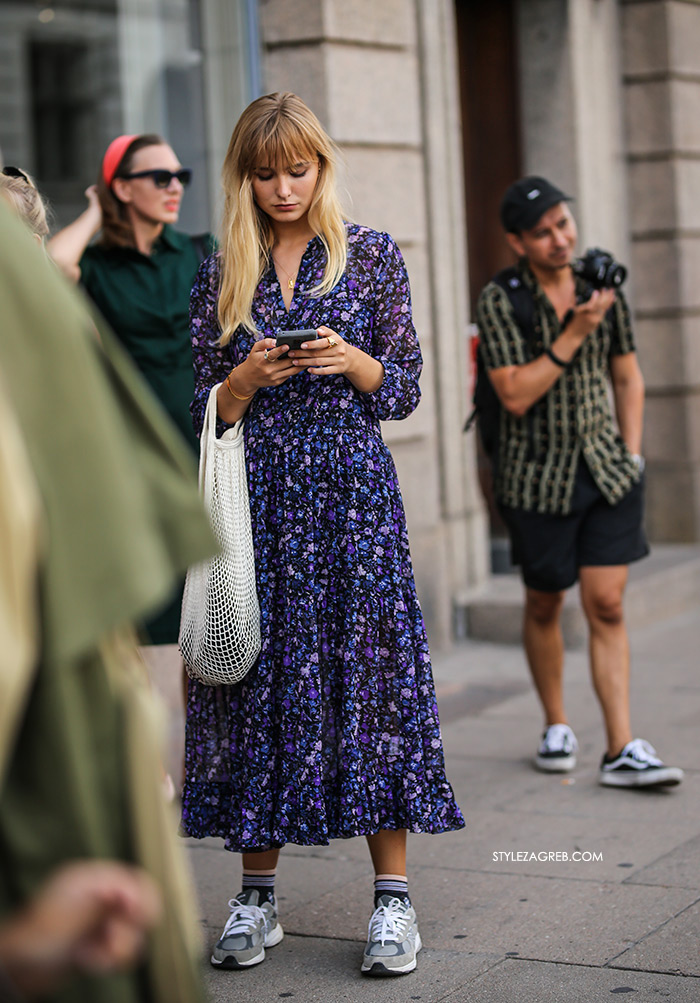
column 275, row 130
column 19, row 189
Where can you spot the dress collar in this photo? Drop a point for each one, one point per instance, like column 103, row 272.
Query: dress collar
column 170, row 239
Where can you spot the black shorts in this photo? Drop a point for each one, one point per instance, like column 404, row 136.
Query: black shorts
column 551, row 548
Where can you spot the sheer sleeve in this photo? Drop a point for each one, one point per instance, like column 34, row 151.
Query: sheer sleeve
column 394, row 339
column 211, row 362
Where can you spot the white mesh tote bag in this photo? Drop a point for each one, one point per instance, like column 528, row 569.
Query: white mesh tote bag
column 220, row 624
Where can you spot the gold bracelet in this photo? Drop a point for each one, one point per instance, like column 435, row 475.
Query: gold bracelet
column 233, row 392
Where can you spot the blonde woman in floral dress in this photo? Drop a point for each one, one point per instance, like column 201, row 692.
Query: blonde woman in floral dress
column 334, row 733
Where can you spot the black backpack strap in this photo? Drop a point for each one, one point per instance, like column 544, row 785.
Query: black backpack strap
column 522, row 301
column 485, row 400
column 523, row 304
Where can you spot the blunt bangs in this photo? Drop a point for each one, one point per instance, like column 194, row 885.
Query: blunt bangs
column 281, row 142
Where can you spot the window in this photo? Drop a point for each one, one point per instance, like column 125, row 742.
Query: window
column 62, row 109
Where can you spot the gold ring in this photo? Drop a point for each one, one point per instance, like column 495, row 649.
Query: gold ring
column 332, row 342
column 266, row 355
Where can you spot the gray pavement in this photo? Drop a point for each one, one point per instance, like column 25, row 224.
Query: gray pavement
column 495, row 928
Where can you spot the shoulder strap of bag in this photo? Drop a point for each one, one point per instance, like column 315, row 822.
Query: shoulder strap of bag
column 523, row 304
column 521, row 300
column 205, row 440
column 207, row 444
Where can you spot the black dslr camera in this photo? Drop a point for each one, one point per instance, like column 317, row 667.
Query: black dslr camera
column 599, row 270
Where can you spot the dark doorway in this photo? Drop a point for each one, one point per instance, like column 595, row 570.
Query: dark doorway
column 488, row 68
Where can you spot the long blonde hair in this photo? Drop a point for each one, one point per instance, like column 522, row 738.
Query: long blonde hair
column 277, row 129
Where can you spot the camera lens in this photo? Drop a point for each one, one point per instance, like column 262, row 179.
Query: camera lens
column 600, row 270
column 615, row 276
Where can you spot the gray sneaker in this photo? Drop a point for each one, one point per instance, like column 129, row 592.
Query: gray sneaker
column 250, row 928
column 393, row 940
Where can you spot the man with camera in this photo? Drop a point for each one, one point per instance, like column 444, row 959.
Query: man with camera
column 569, row 486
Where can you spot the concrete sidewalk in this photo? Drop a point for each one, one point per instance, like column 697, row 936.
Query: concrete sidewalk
column 497, row 928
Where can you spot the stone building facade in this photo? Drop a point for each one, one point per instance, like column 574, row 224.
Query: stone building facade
column 661, row 103
column 611, row 99
column 437, row 105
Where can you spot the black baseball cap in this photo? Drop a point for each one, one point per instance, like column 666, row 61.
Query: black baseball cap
column 526, row 200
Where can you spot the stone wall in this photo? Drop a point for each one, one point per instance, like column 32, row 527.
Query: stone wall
column 661, row 51
column 610, row 96
column 571, row 101
column 382, row 79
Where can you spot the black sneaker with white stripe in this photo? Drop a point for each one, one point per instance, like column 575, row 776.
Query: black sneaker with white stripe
column 638, row 766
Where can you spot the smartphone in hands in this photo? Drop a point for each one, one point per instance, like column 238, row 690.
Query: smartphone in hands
column 295, row 339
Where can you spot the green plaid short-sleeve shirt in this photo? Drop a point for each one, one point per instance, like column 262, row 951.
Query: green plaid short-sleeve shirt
column 539, row 452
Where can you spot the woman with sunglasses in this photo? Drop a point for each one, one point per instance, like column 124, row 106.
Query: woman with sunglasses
column 139, row 273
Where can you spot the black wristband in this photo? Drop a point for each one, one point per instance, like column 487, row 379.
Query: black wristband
column 555, row 358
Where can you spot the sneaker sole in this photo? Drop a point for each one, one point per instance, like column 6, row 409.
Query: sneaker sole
column 669, row 777
column 274, row 936
column 558, row 765
column 378, row 969
column 231, row 962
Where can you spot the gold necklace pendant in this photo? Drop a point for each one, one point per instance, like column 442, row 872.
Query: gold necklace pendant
column 291, row 279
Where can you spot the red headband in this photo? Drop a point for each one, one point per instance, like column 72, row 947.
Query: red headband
column 113, row 157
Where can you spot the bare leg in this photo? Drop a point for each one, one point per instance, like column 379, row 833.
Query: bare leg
column 544, row 648
column 602, row 590
column 387, row 848
column 393, row 940
column 184, row 681
column 265, row 861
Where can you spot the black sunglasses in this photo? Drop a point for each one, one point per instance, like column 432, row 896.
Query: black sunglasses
column 14, row 172
column 162, row 178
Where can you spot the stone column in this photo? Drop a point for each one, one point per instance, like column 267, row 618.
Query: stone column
column 141, row 55
column 381, row 77
column 226, row 90
column 661, row 51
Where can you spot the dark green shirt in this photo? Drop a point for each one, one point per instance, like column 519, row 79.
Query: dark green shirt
column 540, row 451
column 146, row 300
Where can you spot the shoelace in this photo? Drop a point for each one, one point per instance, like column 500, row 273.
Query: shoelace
column 642, row 751
column 244, row 918
column 388, row 922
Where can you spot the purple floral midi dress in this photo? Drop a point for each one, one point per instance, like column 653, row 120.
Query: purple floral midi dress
column 334, row 732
